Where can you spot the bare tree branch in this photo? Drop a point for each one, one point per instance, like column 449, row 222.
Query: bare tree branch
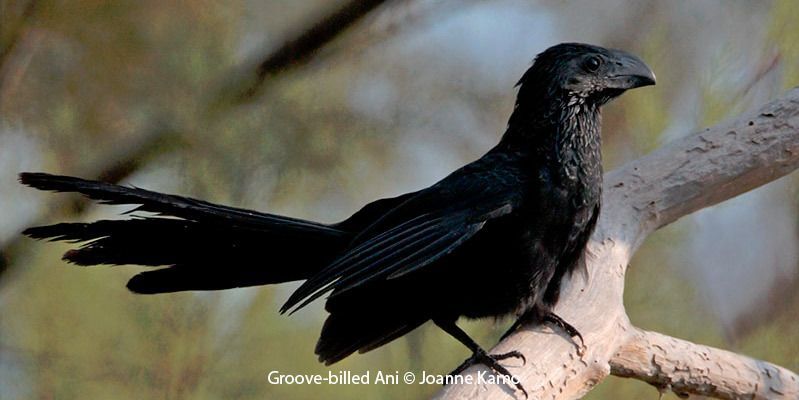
column 692, row 173
column 16, row 32
column 685, row 367
column 299, row 49
column 712, row 165
column 22, row 35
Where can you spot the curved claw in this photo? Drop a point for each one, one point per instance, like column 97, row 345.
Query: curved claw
column 581, row 350
column 572, row 331
column 492, row 362
column 510, row 354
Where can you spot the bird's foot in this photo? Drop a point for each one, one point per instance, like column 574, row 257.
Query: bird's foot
column 492, row 361
column 572, row 331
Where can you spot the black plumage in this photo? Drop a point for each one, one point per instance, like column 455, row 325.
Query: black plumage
column 493, row 238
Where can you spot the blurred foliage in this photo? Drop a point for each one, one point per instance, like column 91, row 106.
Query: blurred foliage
column 100, row 74
column 783, row 37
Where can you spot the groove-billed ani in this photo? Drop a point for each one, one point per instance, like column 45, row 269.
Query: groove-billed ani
column 493, row 238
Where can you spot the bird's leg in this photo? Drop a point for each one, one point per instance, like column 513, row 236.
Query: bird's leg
column 527, row 317
column 551, row 317
column 479, row 355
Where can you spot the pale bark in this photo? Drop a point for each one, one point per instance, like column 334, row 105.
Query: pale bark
column 685, row 367
column 692, row 173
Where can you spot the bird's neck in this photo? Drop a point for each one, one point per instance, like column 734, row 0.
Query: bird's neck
column 563, row 137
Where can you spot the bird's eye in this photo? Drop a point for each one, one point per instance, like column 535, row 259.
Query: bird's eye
column 592, row 64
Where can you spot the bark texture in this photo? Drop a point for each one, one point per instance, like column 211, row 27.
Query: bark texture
column 698, row 171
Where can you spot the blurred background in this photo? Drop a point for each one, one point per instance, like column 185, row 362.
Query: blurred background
column 163, row 95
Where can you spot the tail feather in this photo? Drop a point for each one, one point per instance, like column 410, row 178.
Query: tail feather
column 205, row 246
column 161, row 241
column 145, row 241
column 166, row 204
column 201, row 277
column 345, row 333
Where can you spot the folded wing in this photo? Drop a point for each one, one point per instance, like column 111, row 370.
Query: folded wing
column 417, row 233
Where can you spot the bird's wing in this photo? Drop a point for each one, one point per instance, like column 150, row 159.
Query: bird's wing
column 418, row 232
column 371, row 212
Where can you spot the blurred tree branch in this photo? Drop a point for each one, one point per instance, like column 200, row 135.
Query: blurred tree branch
column 640, row 197
column 16, row 36
column 16, row 31
column 249, row 80
column 303, row 46
column 295, row 52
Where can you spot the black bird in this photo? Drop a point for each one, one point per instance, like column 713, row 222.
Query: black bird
column 493, row 238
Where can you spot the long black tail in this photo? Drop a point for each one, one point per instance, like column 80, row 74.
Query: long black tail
column 204, row 246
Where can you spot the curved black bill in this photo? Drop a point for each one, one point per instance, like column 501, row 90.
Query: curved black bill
column 629, row 72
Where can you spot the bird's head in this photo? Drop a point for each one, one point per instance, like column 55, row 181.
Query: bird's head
column 580, row 73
